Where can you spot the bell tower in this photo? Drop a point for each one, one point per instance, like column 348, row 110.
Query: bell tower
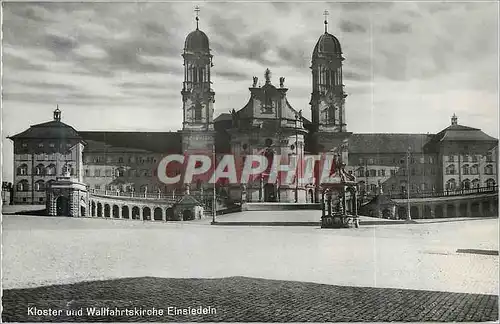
column 328, row 96
column 197, row 94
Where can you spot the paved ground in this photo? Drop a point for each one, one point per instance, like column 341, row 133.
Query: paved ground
column 42, row 250
column 239, row 299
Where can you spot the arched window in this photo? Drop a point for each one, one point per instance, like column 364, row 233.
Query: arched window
column 466, row 184
column 489, row 157
column 40, row 185
column 451, row 184
column 465, row 169
column 475, row 183
column 22, row 169
column 490, row 183
column 488, row 169
column 450, row 169
column 198, row 110
column 39, row 170
column 119, row 172
column 474, row 169
column 23, row 185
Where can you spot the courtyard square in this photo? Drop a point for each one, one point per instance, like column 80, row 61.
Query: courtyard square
column 46, row 250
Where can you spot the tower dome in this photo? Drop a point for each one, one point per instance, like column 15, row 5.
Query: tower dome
column 197, row 41
column 327, row 44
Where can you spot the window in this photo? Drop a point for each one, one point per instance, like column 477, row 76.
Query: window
column 23, row 185
column 22, row 169
column 490, row 183
column 466, row 158
column 120, row 159
column 361, row 172
column 466, row 184
column 97, row 187
column 423, row 186
column 474, row 158
column 393, row 173
column 87, row 172
column 97, row 173
column 373, row 173
column 451, row 184
column 373, row 187
column 52, row 145
column 465, row 169
column 422, row 160
column 361, row 161
column 450, row 169
column 370, row 161
column 475, row 183
column 198, row 112
column 120, row 173
column 40, row 185
column 413, row 160
column 489, row 157
column 488, row 169
column 402, row 161
column 474, row 169
column 39, row 170
column 40, row 145
column 381, row 173
column 24, row 145
column 51, row 170
column 451, row 158
column 107, row 173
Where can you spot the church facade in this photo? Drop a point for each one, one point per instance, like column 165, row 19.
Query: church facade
column 456, row 157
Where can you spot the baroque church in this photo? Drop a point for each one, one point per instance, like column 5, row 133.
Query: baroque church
column 127, row 161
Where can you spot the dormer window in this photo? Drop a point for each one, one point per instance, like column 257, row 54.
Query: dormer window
column 40, row 145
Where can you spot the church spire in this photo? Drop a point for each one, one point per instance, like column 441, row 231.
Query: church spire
column 326, row 13
column 197, row 10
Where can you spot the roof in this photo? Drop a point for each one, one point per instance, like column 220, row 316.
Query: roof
column 50, row 130
column 223, row 117
column 327, row 44
column 158, row 142
column 197, row 41
column 387, row 143
column 462, row 133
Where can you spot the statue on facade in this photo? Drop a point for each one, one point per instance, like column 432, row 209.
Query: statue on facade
column 234, row 117
column 267, row 75
column 282, row 82
column 255, row 80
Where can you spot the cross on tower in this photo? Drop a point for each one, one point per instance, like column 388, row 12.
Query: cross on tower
column 197, row 10
column 326, row 13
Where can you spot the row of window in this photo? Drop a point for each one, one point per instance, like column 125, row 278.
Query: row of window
column 40, row 185
column 42, row 170
column 372, row 188
column 120, row 173
column 394, row 161
column 382, row 172
column 120, row 159
column 50, row 145
column 466, row 169
column 470, row 158
column 128, row 188
column 452, row 184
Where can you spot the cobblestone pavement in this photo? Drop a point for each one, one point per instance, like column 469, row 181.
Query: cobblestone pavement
column 240, row 299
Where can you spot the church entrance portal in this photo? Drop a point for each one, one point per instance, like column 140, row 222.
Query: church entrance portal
column 269, row 192
column 62, row 206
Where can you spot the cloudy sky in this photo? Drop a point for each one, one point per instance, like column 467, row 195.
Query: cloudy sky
column 117, row 66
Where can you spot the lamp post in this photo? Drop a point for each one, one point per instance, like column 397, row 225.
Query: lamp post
column 214, row 209
column 408, row 184
column 296, row 157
